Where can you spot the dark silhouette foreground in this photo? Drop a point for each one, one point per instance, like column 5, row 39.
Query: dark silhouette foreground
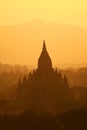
column 73, row 120
column 45, row 93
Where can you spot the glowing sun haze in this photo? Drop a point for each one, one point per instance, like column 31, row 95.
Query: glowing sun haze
column 72, row 12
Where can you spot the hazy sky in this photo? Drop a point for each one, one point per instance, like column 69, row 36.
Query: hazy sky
column 61, row 11
column 50, row 11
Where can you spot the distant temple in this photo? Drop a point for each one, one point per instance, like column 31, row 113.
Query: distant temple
column 45, row 88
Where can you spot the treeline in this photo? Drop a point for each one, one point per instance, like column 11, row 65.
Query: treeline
column 76, row 77
column 36, row 120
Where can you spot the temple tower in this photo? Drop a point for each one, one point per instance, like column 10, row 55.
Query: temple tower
column 44, row 62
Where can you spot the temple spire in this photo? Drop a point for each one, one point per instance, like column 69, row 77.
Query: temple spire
column 44, row 45
column 44, row 62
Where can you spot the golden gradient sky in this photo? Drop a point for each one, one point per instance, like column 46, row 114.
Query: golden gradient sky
column 61, row 11
column 72, row 12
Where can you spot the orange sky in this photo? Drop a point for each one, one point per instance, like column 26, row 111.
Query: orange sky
column 50, row 11
column 61, row 11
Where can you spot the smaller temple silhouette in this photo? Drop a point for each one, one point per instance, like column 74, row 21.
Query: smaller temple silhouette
column 45, row 88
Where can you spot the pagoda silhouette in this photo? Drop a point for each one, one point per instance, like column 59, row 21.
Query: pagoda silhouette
column 45, row 88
